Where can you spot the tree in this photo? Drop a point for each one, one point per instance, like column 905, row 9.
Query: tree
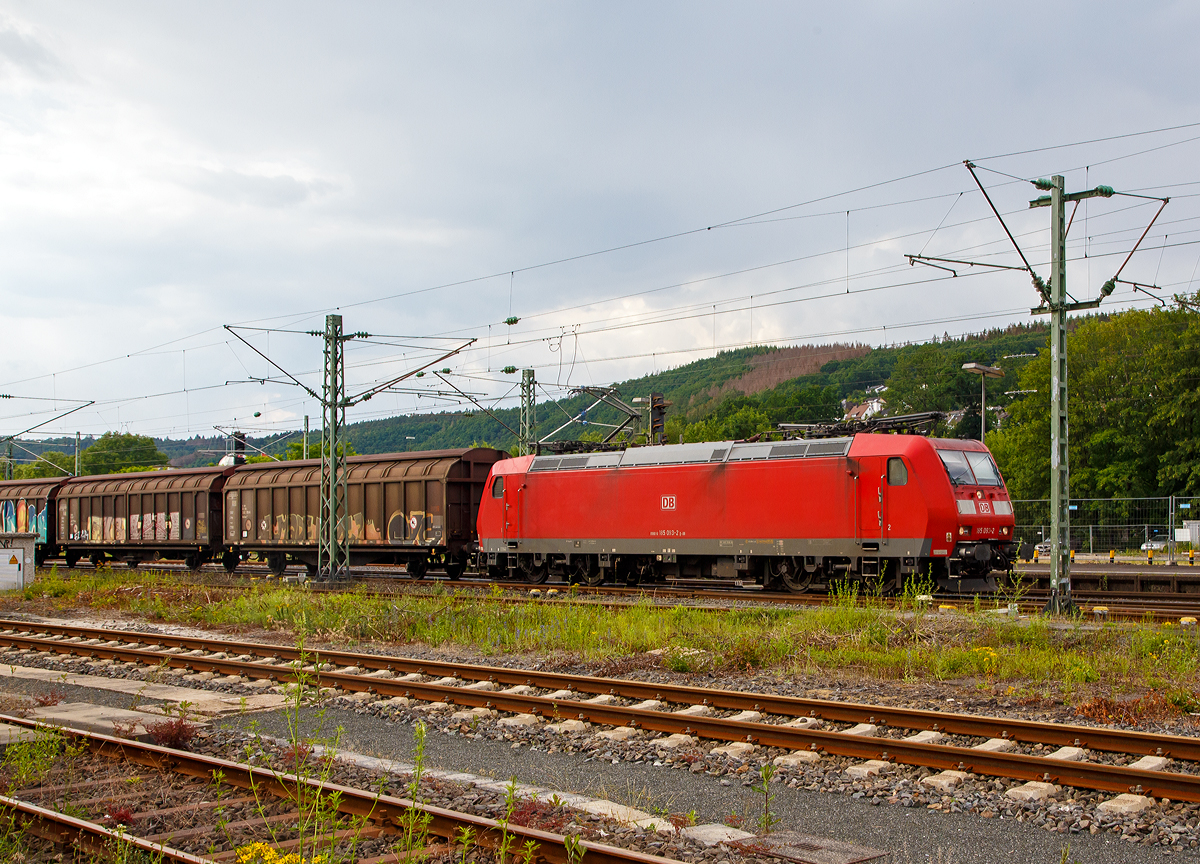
column 116, row 452
column 1133, row 409
column 63, row 466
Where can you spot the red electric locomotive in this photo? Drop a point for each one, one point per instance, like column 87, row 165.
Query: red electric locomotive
column 794, row 514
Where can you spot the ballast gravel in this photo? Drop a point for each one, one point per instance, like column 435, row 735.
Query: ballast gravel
column 892, row 811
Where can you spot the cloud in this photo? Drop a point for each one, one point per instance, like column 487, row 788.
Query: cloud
column 257, row 190
column 20, row 52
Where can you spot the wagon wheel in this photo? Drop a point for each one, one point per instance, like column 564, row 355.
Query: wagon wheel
column 788, row 574
column 230, row 561
column 132, row 563
column 72, row 557
column 191, row 561
column 277, row 563
column 455, row 568
column 535, row 574
column 310, row 567
column 97, row 559
column 416, row 568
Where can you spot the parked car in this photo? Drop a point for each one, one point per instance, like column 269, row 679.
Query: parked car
column 1042, row 548
column 1155, row 545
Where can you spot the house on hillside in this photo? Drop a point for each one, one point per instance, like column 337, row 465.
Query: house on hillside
column 863, row 410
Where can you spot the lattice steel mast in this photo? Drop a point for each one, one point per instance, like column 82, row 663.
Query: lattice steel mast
column 333, row 550
column 527, row 441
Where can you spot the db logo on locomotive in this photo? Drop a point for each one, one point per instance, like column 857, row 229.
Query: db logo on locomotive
column 668, row 502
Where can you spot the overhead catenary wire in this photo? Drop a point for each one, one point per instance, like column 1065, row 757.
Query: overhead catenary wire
column 719, row 311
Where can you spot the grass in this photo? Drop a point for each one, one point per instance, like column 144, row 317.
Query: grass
column 848, row 636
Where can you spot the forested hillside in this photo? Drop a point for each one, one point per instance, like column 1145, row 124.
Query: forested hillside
column 738, row 393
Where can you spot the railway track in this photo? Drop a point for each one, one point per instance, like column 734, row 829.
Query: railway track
column 954, row 744
column 381, row 813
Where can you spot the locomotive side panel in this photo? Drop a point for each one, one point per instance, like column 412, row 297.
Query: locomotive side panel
column 875, row 507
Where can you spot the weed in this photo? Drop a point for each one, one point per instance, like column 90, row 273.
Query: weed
column 120, row 815
column 843, row 592
column 574, row 848
column 28, row 760
column 510, row 803
column 917, row 585
column 679, row 821
column 768, row 820
column 324, row 833
column 174, row 732
column 414, row 824
column 464, row 836
column 50, row 697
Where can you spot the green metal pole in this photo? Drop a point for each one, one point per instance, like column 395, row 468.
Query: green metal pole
column 332, row 544
column 528, row 413
column 1060, row 518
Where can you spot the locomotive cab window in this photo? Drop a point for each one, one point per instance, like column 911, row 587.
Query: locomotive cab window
column 498, row 487
column 957, row 467
column 897, row 472
column 984, row 468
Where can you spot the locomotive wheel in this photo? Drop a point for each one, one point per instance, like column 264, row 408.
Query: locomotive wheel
column 786, row 573
column 627, row 571
column 535, row 574
column 584, row 571
column 416, row 568
column 277, row 563
column 230, row 561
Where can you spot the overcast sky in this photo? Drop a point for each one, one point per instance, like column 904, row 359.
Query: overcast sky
column 167, row 169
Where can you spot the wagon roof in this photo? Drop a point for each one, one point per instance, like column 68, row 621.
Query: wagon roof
column 426, row 464
column 39, row 488
column 144, row 481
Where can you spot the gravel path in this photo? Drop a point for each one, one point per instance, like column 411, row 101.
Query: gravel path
column 913, row 834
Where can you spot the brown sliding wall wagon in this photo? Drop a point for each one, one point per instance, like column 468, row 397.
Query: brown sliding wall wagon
column 416, row 509
column 142, row 516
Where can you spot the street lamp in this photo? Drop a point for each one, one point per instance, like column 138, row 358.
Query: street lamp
column 984, row 373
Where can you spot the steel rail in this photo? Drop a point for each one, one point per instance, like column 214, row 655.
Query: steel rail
column 1091, row 737
column 1183, row 787
column 380, row 809
column 87, row 836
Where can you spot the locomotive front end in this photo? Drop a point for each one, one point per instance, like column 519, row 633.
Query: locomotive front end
column 983, row 535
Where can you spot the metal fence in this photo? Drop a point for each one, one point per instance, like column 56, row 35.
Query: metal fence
column 1121, row 524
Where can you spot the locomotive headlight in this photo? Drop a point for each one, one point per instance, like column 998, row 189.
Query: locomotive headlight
column 964, row 530
column 1004, row 530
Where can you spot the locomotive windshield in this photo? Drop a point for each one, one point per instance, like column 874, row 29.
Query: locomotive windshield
column 984, row 468
column 970, row 468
